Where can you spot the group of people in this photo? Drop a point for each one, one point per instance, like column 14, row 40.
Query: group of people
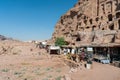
column 78, row 56
column 68, row 50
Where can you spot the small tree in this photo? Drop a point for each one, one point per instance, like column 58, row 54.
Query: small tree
column 60, row 41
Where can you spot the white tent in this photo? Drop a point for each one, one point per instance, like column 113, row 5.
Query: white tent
column 54, row 50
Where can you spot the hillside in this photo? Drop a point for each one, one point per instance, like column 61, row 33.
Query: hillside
column 4, row 38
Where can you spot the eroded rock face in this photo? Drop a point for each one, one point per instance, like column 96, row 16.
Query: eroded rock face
column 90, row 21
column 117, row 37
column 4, row 38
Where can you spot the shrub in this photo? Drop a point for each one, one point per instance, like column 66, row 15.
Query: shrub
column 60, row 41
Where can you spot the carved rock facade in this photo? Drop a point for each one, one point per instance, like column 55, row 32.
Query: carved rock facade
column 90, row 21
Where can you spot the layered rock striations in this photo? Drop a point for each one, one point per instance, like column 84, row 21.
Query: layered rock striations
column 90, row 22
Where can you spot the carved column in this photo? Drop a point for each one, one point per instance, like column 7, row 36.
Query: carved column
column 105, row 10
column 113, row 7
column 116, row 25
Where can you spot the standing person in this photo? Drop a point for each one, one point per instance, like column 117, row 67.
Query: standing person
column 73, row 51
column 68, row 50
column 65, row 51
column 82, row 55
column 111, row 57
column 73, row 54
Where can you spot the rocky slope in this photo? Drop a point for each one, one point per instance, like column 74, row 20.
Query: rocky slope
column 4, row 38
column 9, row 46
column 90, row 22
column 13, row 47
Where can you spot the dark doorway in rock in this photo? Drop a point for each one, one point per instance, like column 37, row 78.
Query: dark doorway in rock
column 85, row 21
column 90, row 21
column 118, row 15
column 87, row 27
column 111, row 27
column 103, row 28
column 97, row 19
column 119, row 24
column 118, row 6
column 62, row 21
column 101, row 17
column 93, row 28
column 110, row 17
column 78, row 39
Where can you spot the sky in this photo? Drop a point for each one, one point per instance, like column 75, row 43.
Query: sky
column 31, row 19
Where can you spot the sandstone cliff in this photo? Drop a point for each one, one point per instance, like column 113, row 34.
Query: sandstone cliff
column 90, row 22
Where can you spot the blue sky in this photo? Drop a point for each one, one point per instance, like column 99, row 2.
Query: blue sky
column 31, row 19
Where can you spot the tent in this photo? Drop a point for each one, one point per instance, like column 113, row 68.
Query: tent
column 54, row 50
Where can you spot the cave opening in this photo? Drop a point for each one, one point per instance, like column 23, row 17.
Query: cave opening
column 110, row 17
column 111, row 27
column 118, row 15
column 119, row 24
column 78, row 39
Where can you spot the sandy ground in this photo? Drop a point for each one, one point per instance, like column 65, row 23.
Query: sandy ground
column 22, row 63
column 41, row 67
column 30, row 68
column 98, row 72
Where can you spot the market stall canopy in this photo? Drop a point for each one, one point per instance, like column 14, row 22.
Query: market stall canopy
column 54, row 48
column 106, row 45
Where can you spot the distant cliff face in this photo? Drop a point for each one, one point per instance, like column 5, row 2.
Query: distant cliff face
column 90, row 21
column 4, row 38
